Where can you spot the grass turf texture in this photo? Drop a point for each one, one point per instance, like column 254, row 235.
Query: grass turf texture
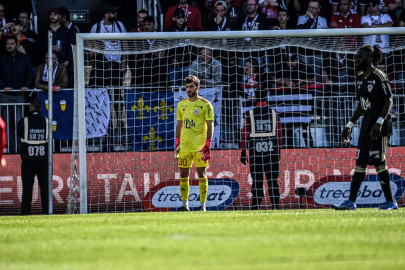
column 292, row 239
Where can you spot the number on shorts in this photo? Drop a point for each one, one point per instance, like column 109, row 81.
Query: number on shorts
column 183, row 161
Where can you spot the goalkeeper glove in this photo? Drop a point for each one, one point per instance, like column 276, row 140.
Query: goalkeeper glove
column 206, row 150
column 243, row 157
column 176, row 154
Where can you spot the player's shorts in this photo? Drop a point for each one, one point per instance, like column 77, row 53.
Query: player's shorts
column 186, row 159
column 372, row 152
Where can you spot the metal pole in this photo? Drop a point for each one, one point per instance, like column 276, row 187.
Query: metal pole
column 81, row 106
column 50, row 124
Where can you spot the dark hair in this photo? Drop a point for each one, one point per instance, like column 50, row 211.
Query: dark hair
column 280, row 9
column 253, row 62
column 143, row 11
column 317, row 1
column 374, row 51
column 149, row 19
column 64, row 12
column 55, row 10
column 36, row 104
column 11, row 37
column 192, row 79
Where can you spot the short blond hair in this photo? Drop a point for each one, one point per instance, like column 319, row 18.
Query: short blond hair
column 192, row 79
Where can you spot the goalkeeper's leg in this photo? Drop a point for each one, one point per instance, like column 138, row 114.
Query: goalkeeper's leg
column 203, row 186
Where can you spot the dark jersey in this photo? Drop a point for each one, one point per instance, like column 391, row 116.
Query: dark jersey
column 265, row 140
column 371, row 93
column 33, row 131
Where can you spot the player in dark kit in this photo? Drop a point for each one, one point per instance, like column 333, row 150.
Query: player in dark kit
column 33, row 131
column 262, row 134
column 375, row 102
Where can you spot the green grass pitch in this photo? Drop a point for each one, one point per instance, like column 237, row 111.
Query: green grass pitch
column 290, row 239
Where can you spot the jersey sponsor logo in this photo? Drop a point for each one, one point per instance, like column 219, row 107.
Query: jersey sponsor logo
column 188, row 123
column 166, row 195
column 335, row 189
column 365, row 103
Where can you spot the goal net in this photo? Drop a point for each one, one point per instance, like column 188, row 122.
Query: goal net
column 129, row 85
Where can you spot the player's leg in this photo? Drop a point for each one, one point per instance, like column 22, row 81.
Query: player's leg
column 380, row 147
column 42, row 176
column 185, row 161
column 257, row 174
column 201, row 166
column 272, row 183
column 358, row 176
column 27, row 176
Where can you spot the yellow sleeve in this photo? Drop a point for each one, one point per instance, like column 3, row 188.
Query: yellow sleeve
column 179, row 114
column 209, row 113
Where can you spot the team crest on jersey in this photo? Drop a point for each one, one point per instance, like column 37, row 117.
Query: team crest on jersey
column 370, row 88
column 196, row 112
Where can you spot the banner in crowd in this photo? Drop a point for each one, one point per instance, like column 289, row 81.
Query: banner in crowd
column 150, row 118
column 97, row 112
column 213, row 95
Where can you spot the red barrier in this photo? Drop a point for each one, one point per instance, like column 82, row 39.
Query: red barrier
column 119, row 181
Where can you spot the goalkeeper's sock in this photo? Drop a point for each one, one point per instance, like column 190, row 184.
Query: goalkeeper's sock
column 184, row 190
column 357, row 179
column 203, row 187
column 384, row 176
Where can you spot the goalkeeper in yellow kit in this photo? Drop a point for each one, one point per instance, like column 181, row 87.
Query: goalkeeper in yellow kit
column 194, row 131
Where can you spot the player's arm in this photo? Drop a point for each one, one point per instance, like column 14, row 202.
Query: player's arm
column 206, row 155
column 376, row 130
column 179, row 127
column 348, row 129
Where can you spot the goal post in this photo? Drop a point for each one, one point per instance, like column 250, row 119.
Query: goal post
column 319, row 164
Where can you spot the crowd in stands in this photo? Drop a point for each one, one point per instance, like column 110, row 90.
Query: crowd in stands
column 23, row 59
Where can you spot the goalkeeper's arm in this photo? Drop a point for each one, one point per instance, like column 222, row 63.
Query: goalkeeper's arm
column 206, row 148
column 348, row 129
column 179, row 127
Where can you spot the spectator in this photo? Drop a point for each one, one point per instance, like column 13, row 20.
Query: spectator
column 233, row 12
column 115, row 65
column 3, row 20
column 62, row 40
column 352, row 6
column 390, row 7
column 192, row 16
column 339, row 78
column 207, row 68
column 179, row 19
column 253, row 20
column 33, row 131
column 15, row 30
column 220, row 22
column 325, row 12
column 25, row 23
column 283, row 17
column 178, row 71
column 270, row 8
column 249, row 82
column 141, row 15
column 311, row 19
column 374, row 19
column 293, row 74
column 15, row 73
column 345, row 18
column 65, row 20
column 59, row 75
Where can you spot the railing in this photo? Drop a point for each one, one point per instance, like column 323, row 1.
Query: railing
column 327, row 119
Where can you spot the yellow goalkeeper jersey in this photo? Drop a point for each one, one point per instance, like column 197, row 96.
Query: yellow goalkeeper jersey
column 194, row 116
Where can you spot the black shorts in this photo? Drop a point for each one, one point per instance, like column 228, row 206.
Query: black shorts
column 372, row 152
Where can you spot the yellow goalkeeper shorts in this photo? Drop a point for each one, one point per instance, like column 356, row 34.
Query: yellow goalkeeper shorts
column 186, row 159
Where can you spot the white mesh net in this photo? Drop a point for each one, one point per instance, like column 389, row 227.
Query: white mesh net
column 310, row 81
